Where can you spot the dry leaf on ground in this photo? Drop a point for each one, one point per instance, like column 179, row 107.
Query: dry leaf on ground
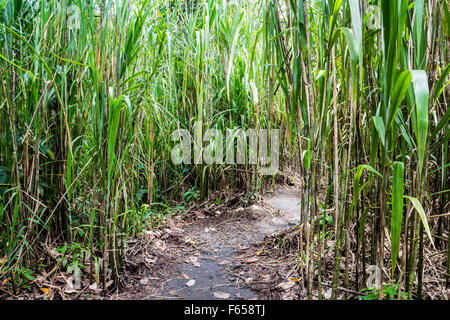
column 286, row 285
column 221, row 295
column 190, row 283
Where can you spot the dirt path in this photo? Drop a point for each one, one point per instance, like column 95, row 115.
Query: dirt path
column 202, row 265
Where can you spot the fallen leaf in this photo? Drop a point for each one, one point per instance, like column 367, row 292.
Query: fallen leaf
column 45, row 290
column 57, row 279
column 190, row 283
column 160, row 245
column 327, row 294
column 258, row 253
column 196, row 264
column 69, row 287
column 185, row 276
column 286, row 285
column 199, row 214
column 93, row 287
column 221, row 295
column 150, row 260
column 251, row 260
column 288, row 296
column 294, row 279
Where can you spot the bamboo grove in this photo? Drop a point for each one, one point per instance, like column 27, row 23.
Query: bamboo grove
column 359, row 89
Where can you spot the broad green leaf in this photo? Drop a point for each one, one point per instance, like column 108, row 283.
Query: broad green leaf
column 371, row 169
column 232, row 53
column 421, row 92
column 442, row 123
column 419, row 48
column 333, row 18
column 397, row 211
column 422, row 215
column 357, row 187
column 356, row 23
column 440, row 85
column 379, row 125
column 400, row 89
column 352, row 43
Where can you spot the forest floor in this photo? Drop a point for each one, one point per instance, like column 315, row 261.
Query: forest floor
column 230, row 246
column 217, row 252
column 240, row 249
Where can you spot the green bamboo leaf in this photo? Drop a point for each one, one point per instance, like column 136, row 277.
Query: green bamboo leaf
column 357, row 187
column 356, row 23
column 415, row 202
column 400, row 89
column 440, row 85
column 19, row 67
column 333, row 18
column 441, row 124
column 403, row 127
column 231, row 59
column 446, row 19
column 397, row 211
column 371, row 169
column 352, row 43
column 379, row 126
column 421, row 92
column 307, row 157
column 419, row 48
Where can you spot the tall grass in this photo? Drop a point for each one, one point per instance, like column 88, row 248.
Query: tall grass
column 378, row 81
column 87, row 113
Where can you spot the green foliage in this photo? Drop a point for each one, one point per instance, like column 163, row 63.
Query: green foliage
column 390, row 292
column 86, row 116
column 191, row 194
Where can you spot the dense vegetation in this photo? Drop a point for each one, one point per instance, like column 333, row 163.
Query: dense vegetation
column 358, row 88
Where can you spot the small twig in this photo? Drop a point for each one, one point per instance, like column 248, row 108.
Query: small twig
column 343, row 289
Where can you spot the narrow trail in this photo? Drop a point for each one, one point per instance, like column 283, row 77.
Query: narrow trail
column 207, row 270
